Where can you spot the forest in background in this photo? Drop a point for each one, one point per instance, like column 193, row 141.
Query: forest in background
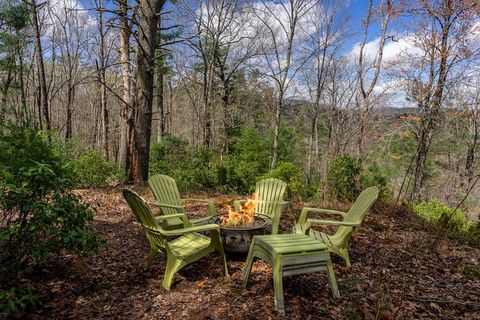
column 221, row 93
column 224, row 91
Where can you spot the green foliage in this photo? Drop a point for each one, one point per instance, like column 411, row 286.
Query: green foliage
column 17, row 299
column 87, row 166
column 343, row 178
column 289, row 173
column 371, row 176
column 198, row 168
column 40, row 216
column 448, row 218
column 192, row 167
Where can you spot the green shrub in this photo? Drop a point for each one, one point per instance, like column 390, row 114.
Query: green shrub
column 437, row 212
column 87, row 166
column 90, row 169
column 17, row 299
column 289, row 173
column 456, row 222
column 373, row 176
column 343, row 178
column 40, row 216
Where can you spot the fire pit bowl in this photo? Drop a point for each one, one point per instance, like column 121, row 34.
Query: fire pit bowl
column 236, row 240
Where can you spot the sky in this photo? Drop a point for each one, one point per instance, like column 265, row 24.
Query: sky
column 355, row 9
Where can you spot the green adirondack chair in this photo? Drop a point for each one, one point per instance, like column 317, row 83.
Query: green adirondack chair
column 167, row 197
column 189, row 246
column 269, row 200
column 338, row 242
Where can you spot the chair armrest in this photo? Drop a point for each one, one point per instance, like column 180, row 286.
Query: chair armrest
column 168, row 216
column 283, row 203
column 237, row 203
column 182, row 216
column 179, row 232
column 165, row 205
column 306, row 210
column 333, row 223
column 211, row 204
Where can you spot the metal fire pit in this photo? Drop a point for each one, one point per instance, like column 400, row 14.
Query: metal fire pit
column 237, row 240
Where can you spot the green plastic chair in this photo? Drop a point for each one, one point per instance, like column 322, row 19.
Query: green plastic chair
column 269, row 200
column 188, row 247
column 290, row 254
column 338, row 242
column 167, row 197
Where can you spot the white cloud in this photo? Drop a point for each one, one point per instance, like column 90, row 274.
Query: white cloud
column 393, row 50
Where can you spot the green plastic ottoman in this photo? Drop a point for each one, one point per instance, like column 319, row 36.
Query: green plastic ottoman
column 290, row 254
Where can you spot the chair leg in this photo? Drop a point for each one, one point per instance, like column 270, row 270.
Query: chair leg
column 224, row 260
column 247, row 268
column 332, row 279
column 278, row 286
column 151, row 256
column 173, row 265
column 344, row 254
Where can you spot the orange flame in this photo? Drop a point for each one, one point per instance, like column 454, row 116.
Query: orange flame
column 245, row 217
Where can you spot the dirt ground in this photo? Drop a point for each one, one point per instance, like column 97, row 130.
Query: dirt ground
column 396, row 273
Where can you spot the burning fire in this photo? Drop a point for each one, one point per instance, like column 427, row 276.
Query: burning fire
column 245, row 217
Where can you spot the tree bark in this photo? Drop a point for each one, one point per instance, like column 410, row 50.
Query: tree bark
column 41, row 68
column 103, row 88
column 433, row 105
column 126, row 122
column 149, row 11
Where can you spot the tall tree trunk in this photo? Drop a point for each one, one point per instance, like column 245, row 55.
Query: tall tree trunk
column 102, row 76
column 126, row 123
column 470, row 162
column 41, row 68
column 149, row 11
column 276, row 133
column 430, row 118
column 160, row 102
column 70, row 95
column 311, row 141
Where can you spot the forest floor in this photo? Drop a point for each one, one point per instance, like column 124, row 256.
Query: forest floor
column 396, row 273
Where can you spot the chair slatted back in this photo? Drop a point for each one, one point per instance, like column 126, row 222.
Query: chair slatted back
column 361, row 206
column 357, row 212
column 143, row 214
column 268, row 193
column 165, row 190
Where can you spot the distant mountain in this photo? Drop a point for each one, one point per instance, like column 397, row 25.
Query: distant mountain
column 395, row 113
column 294, row 107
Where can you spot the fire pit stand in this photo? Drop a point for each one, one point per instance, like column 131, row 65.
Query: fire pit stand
column 236, row 240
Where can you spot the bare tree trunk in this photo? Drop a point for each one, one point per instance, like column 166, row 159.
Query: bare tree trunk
column 149, row 11
column 310, row 148
column 70, row 95
column 364, row 101
column 433, row 105
column 102, row 76
column 470, row 162
column 126, row 123
column 41, row 68
column 276, row 133
column 160, row 103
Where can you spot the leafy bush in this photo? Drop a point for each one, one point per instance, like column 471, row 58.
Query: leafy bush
column 40, row 216
column 343, row 178
column 87, row 166
column 437, row 212
column 289, row 173
column 373, row 176
column 197, row 168
column 456, row 222
column 192, row 168
column 17, row 299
